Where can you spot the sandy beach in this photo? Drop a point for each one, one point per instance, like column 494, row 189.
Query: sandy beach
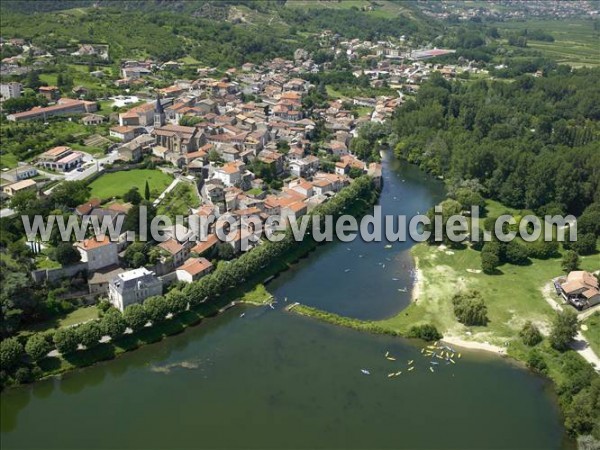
column 474, row 345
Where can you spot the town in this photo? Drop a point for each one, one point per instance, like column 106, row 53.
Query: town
column 247, row 144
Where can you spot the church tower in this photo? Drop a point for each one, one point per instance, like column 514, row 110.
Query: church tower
column 159, row 113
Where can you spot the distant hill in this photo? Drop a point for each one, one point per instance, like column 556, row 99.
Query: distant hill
column 213, row 32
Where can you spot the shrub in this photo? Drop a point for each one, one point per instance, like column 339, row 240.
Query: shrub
column 516, row 253
column 536, row 362
column 570, row 261
column 427, row 332
column 530, row 335
column 470, row 308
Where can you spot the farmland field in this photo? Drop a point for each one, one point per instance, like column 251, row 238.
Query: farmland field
column 575, row 41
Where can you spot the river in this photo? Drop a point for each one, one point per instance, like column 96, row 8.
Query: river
column 271, row 379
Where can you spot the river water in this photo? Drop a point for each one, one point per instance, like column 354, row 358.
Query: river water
column 271, row 379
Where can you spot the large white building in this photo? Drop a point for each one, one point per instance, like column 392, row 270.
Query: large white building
column 10, row 90
column 133, row 286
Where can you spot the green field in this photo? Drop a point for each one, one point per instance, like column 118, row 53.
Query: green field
column 575, row 41
column 116, row 184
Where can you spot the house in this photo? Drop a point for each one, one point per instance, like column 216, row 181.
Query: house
column 133, row 286
column 135, row 149
column 22, row 172
column 193, row 269
column 98, row 283
column 142, row 115
column 579, row 288
column 124, row 132
column 19, row 186
column 92, row 119
column 206, row 246
column 98, row 253
column 60, row 158
column 86, row 208
column 50, row 92
column 229, row 174
column 175, row 250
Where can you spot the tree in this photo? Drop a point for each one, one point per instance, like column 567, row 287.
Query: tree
column 516, row 253
column 427, row 332
column 489, row 258
column 570, row 261
column 66, row 340
column 133, row 196
column 113, row 323
column 530, row 334
column 225, row 251
column 70, row 193
column 147, row 191
column 584, row 245
column 11, row 351
column 135, row 317
column 156, row 308
column 37, row 346
column 89, row 334
column 564, row 329
column 66, row 254
column 470, row 308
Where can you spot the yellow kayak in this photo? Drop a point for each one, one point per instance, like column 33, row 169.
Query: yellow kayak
column 389, row 358
column 390, row 375
column 397, row 373
column 410, row 362
column 411, row 368
column 459, row 355
column 387, row 354
column 452, row 361
column 431, row 368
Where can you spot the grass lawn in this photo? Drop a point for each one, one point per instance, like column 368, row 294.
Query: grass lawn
column 76, row 316
column 118, row 183
column 8, row 160
column 593, row 331
column 512, row 297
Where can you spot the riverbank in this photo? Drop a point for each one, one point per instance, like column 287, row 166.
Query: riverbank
column 213, row 294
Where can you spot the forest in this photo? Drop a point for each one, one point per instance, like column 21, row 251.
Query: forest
column 532, row 143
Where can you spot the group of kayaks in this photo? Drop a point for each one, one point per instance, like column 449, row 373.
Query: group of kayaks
column 436, row 351
column 440, row 351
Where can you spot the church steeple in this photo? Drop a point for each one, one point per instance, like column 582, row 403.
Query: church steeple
column 159, row 113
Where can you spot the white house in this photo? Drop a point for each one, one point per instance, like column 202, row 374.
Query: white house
column 229, row 174
column 98, row 253
column 133, row 286
column 194, row 269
